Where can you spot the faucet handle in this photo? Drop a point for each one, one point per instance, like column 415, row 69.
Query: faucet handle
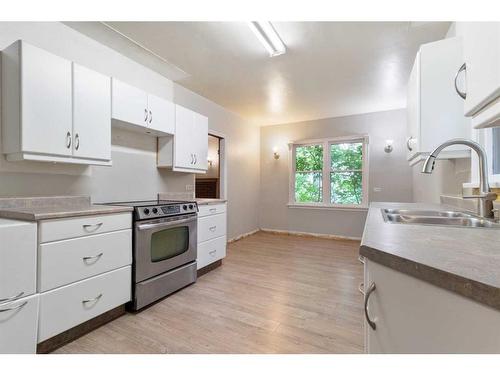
column 490, row 196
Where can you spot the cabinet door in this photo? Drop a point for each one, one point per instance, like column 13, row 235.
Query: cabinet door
column 482, row 59
column 161, row 115
column 129, row 104
column 91, row 114
column 18, row 326
column 200, row 149
column 441, row 109
column 18, row 253
column 413, row 316
column 46, row 102
column 184, row 138
column 413, row 110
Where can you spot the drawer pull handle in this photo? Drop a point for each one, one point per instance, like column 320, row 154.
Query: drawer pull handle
column 92, row 227
column 94, row 258
column 370, row 322
column 14, row 307
column 213, row 252
column 212, row 229
column 13, row 298
column 85, row 301
column 213, row 210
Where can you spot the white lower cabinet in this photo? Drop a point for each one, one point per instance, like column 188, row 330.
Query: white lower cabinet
column 68, row 306
column 211, row 251
column 84, row 269
column 67, row 261
column 210, row 227
column 413, row 316
column 211, row 234
column 18, row 325
column 18, row 301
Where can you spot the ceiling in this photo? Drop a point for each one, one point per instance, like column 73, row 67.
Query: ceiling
column 330, row 68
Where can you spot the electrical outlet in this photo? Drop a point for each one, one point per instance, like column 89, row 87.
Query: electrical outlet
column 189, row 187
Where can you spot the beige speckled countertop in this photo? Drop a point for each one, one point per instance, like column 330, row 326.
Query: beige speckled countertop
column 463, row 260
column 43, row 208
column 204, row 201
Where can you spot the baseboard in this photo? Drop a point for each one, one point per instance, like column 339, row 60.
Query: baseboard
column 308, row 234
column 242, row 236
column 72, row 334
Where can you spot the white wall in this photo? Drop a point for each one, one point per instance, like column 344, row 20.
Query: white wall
column 134, row 174
column 389, row 172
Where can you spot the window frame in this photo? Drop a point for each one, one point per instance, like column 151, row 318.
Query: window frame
column 326, row 143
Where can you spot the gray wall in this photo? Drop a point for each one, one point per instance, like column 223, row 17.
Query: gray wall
column 389, row 172
column 134, row 174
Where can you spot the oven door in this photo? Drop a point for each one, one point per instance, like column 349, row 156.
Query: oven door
column 163, row 244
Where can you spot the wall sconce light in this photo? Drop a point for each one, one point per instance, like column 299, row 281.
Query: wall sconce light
column 276, row 153
column 388, row 146
column 209, row 162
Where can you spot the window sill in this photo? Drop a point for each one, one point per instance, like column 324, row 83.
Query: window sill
column 328, row 207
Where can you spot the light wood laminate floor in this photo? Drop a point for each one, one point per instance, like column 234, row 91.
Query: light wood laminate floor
column 273, row 294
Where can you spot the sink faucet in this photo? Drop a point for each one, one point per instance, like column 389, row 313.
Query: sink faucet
column 486, row 197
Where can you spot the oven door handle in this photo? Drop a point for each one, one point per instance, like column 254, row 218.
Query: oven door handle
column 166, row 224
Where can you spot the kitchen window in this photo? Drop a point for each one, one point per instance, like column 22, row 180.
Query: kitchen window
column 329, row 172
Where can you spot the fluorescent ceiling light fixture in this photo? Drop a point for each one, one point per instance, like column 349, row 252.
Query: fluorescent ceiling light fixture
column 267, row 35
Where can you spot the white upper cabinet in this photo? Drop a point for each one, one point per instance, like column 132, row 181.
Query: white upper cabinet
column 38, row 108
column 187, row 151
column 200, row 149
column 434, row 110
column 139, row 111
column 129, row 104
column 482, row 72
column 36, row 102
column 161, row 115
column 91, row 114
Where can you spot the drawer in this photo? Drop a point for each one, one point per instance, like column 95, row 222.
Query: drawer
column 211, row 251
column 18, row 326
column 68, row 306
column 61, row 229
column 17, row 259
column 210, row 227
column 67, row 261
column 211, row 209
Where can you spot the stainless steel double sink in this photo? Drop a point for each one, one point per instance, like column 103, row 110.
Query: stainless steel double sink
column 437, row 217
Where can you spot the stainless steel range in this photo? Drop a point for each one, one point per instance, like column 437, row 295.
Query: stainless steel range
column 164, row 249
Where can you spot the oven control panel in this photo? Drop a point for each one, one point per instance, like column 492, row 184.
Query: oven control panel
column 165, row 210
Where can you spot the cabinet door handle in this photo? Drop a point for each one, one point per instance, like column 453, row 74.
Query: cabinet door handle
column 14, row 307
column 150, row 116
column 92, row 227
column 361, row 288
column 77, row 141
column 145, row 114
column 68, row 140
column 12, row 298
column 212, row 210
column 408, row 145
column 212, row 229
column 370, row 290
column 192, row 158
column 85, row 301
column 361, row 258
column 94, row 258
column 195, row 159
column 463, row 68
column 212, row 252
